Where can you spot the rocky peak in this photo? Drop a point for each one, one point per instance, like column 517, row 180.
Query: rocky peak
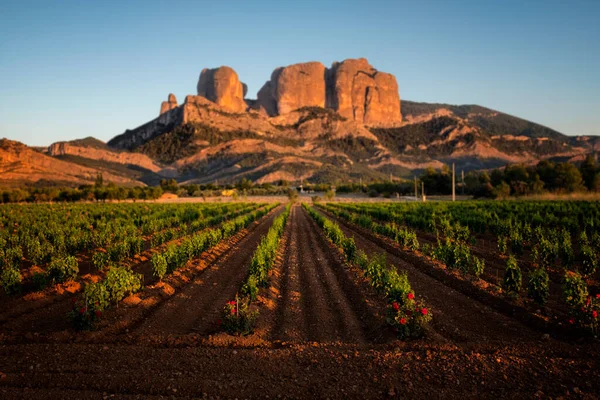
column 353, row 88
column 170, row 104
column 362, row 93
column 293, row 87
column 223, row 87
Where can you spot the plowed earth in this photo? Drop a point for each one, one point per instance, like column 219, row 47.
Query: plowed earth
column 321, row 333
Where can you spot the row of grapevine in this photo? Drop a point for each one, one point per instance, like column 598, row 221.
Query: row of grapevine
column 119, row 229
column 408, row 316
column 548, row 245
column 238, row 318
column 120, row 281
column 177, row 255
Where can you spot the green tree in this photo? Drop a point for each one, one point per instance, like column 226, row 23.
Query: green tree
column 588, row 172
column 568, row 178
column 99, row 182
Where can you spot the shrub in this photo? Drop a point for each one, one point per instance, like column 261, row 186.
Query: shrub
column 121, row 281
column 587, row 316
column 35, row 251
column 361, row 259
column 548, row 251
column 516, row 241
column 408, row 317
column 512, row 277
column 538, row 286
column 407, row 238
column 349, row 247
column 250, row 288
column 477, row 266
column 88, row 309
column 159, row 265
column 575, row 290
column 584, row 309
column 566, row 249
column 12, row 257
column 589, row 260
column 11, row 280
column 396, row 285
column 100, row 260
column 455, row 255
column 237, row 317
column 63, row 269
column 502, row 244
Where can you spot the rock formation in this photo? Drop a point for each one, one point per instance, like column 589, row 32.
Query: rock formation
column 223, row 87
column 362, row 93
column 353, row 88
column 170, row 104
column 293, row 87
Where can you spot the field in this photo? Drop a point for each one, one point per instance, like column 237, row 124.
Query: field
column 338, row 300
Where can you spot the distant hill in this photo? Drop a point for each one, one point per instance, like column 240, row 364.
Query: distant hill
column 491, row 121
column 21, row 165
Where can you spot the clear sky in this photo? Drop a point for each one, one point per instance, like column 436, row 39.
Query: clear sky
column 71, row 69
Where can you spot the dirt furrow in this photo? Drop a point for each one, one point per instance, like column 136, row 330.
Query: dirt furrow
column 196, row 309
column 289, row 326
column 319, row 302
column 456, row 316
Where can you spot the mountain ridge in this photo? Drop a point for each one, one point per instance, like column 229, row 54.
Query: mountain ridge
column 348, row 127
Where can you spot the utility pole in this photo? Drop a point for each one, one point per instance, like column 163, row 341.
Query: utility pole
column 453, row 184
column 416, row 190
column 463, row 181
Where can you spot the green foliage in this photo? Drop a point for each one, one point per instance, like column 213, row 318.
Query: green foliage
column 538, row 287
column 12, row 257
column 120, row 282
column 548, row 252
column 516, row 242
column 62, row 269
column 250, row 288
column 575, row 290
column 566, row 249
column 589, row 261
column 100, row 260
column 477, row 266
column 97, row 297
column 10, row 279
column 349, row 247
column 457, row 255
column 159, row 265
column 88, row 309
column 264, row 257
column 512, row 277
column 361, row 259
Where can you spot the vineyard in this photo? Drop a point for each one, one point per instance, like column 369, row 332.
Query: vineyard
column 342, row 299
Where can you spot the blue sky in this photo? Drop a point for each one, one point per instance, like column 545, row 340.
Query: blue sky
column 71, row 69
